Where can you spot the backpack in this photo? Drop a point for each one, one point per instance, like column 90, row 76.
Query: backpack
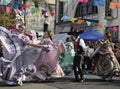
column 79, row 48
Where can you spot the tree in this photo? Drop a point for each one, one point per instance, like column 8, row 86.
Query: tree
column 7, row 20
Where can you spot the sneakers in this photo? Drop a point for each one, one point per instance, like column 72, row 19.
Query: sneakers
column 82, row 80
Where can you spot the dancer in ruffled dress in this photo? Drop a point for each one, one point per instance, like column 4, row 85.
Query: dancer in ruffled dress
column 47, row 62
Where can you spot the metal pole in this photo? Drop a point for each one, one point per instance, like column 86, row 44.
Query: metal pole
column 55, row 16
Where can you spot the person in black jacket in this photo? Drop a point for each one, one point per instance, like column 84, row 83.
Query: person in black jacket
column 77, row 62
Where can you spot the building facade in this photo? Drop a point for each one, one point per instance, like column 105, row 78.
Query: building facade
column 88, row 12
column 35, row 21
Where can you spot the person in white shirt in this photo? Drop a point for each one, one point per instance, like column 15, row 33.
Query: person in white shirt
column 81, row 48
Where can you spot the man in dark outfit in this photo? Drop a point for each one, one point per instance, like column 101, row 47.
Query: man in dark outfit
column 77, row 63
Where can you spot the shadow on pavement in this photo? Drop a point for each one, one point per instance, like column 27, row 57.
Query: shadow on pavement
column 68, row 80
column 4, row 85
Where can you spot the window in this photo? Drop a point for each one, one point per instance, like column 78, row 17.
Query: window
column 108, row 11
column 61, row 8
column 114, row 34
column 79, row 10
column 84, row 9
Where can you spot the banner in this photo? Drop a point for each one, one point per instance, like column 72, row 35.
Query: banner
column 16, row 5
column 5, row 2
column 83, row 1
column 113, row 5
column 99, row 3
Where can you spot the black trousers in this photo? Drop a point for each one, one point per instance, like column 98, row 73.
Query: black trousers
column 45, row 27
column 87, row 61
column 77, row 65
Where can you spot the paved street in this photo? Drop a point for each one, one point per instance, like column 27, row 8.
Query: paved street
column 92, row 82
column 34, row 34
